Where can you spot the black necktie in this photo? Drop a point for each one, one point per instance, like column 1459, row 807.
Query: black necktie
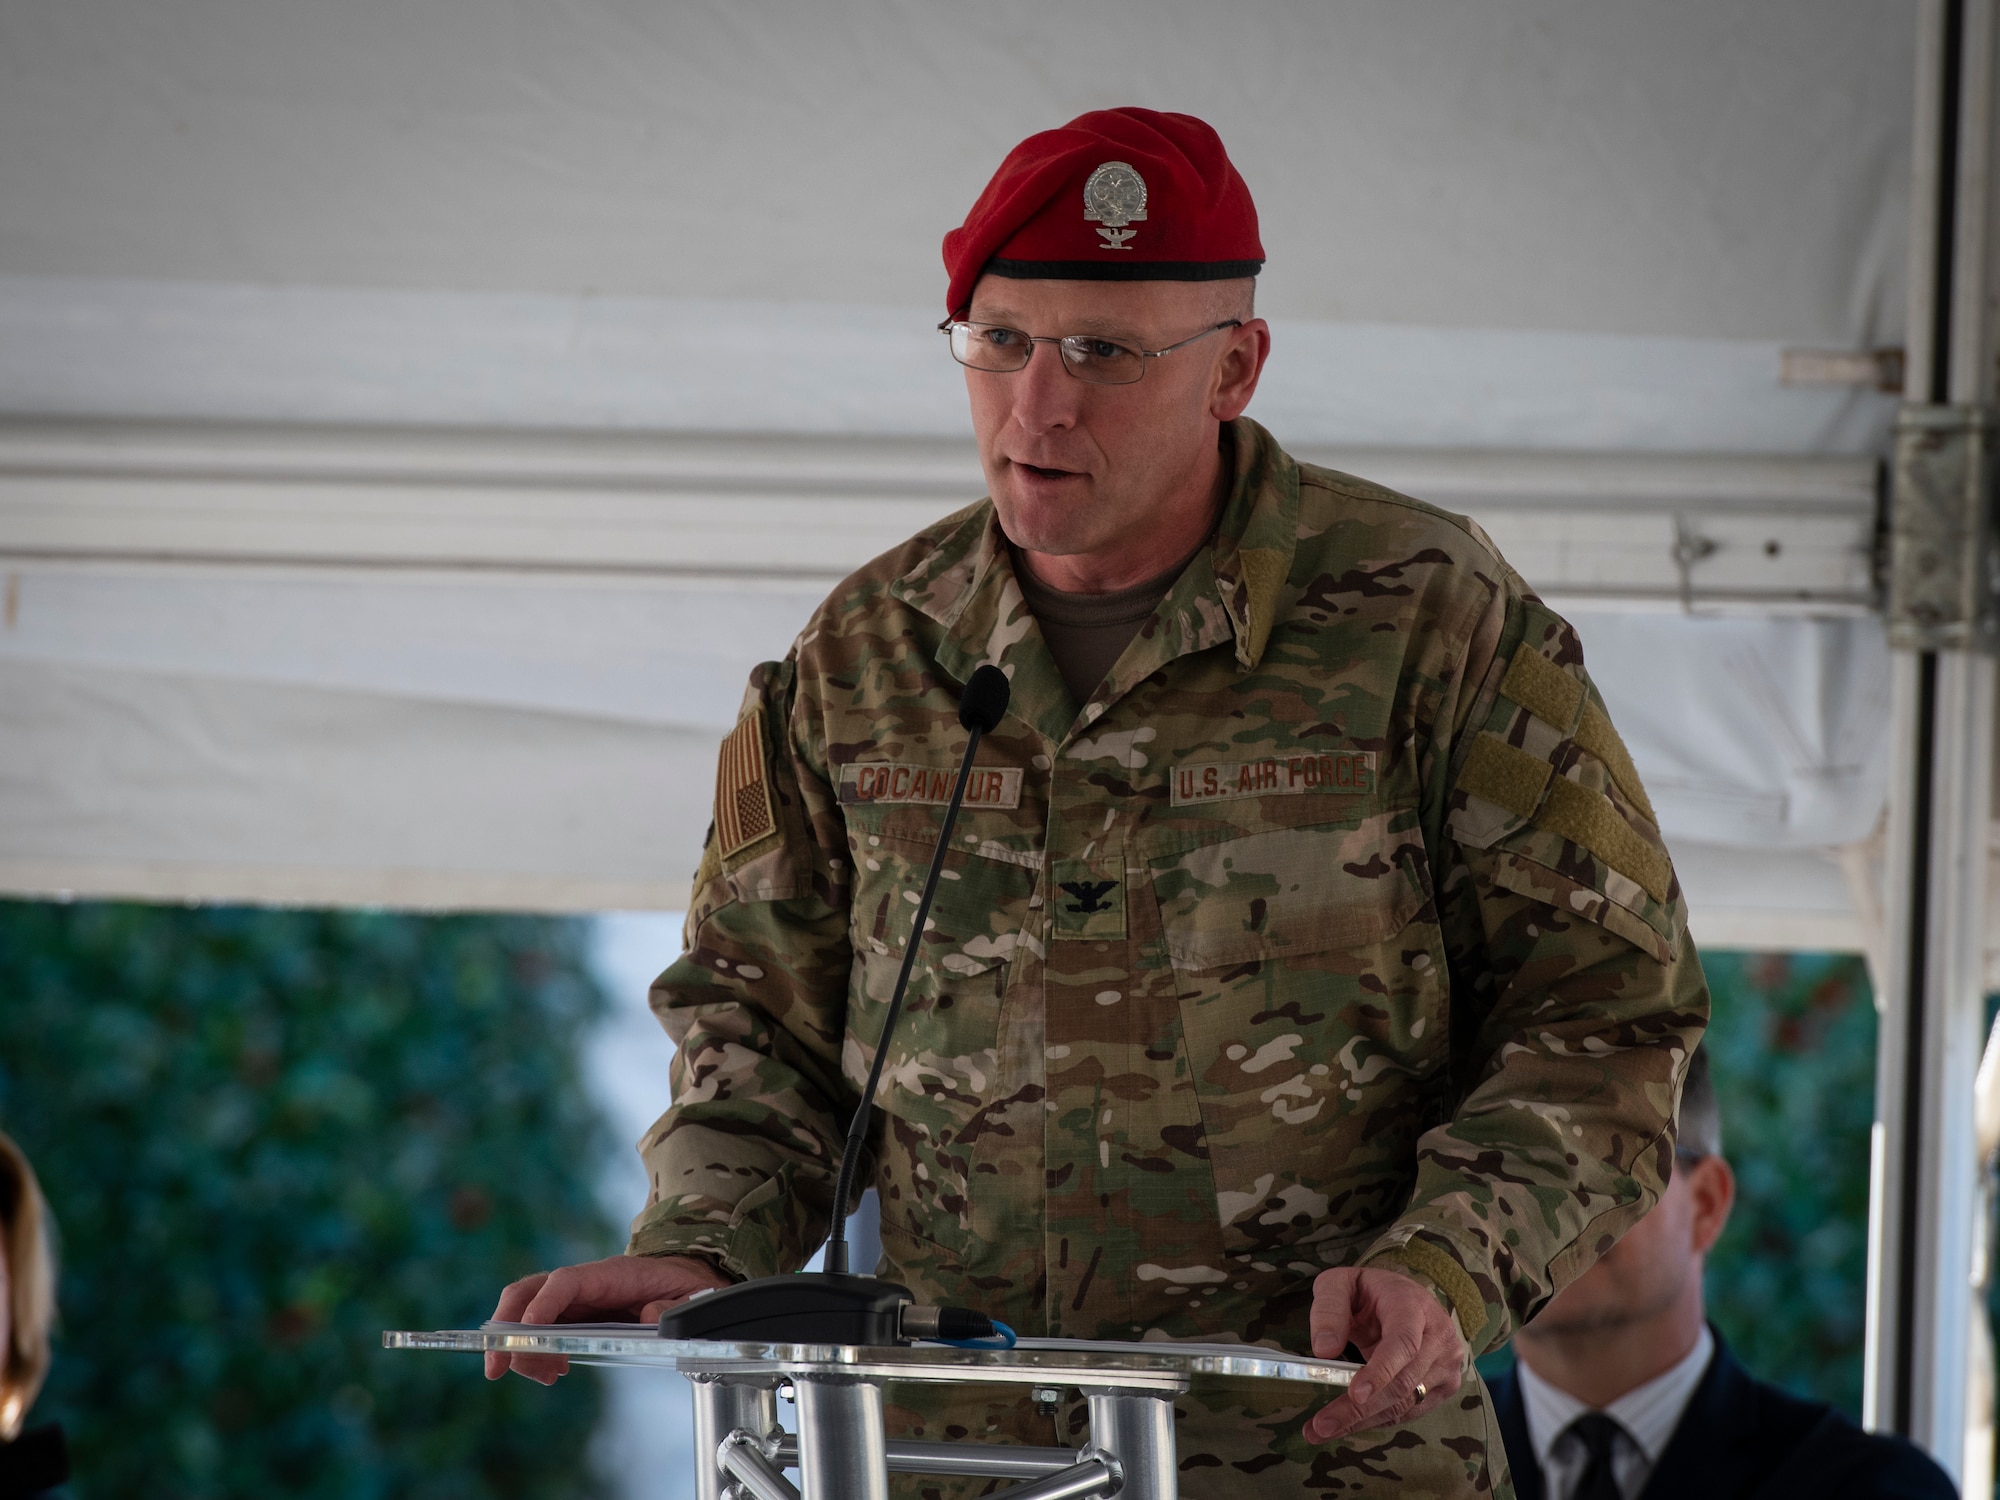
column 1598, row 1434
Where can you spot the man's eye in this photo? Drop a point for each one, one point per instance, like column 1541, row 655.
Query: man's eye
column 1091, row 348
column 1001, row 338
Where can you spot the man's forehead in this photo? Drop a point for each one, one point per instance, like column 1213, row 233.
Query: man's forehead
column 1084, row 306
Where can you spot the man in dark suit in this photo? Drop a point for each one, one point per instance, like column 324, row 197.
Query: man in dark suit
column 1622, row 1391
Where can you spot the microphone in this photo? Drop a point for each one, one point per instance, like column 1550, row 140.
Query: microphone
column 833, row 1306
column 980, row 708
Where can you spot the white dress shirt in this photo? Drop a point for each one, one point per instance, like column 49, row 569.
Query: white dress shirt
column 1646, row 1416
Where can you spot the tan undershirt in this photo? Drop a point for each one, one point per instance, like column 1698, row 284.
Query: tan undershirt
column 1087, row 633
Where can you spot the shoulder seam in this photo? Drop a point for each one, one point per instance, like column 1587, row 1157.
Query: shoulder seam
column 1355, row 488
column 878, row 576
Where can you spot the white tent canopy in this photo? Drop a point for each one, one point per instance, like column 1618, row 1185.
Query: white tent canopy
column 1703, row 171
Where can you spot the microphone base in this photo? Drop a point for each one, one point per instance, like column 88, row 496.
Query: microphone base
column 811, row 1307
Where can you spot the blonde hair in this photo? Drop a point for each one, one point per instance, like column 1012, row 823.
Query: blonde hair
column 31, row 1282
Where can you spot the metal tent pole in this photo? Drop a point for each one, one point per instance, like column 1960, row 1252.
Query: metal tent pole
column 1942, row 572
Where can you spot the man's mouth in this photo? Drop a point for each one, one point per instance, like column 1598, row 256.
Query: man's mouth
column 1041, row 472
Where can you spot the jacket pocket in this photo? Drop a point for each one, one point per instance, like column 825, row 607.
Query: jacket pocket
column 944, row 1041
column 941, row 1074
column 1309, row 969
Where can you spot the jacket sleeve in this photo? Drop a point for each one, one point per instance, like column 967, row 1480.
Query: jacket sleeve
column 742, row 1166
column 1577, row 996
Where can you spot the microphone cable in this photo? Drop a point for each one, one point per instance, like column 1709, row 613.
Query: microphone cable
column 980, row 708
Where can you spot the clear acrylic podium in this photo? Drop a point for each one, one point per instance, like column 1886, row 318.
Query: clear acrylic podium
column 840, row 1449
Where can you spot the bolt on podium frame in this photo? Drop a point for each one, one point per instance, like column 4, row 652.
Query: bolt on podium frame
column 841, row 1450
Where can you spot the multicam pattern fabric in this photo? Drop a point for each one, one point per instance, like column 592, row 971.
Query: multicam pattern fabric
column 1169, row 1056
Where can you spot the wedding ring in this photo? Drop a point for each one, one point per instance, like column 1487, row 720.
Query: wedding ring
column 1422, row 1390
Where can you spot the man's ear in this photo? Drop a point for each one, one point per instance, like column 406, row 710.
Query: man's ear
column 1237, row 372
column 1712, row 1187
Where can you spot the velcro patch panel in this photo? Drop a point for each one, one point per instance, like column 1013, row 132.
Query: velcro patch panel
column 1553, row 696
column 1087, row 898
column 1588, row 819
column 886, row 781
column 742, row 788
column 1528, row 788
column 1596, row 735
column 1505, row 776
column 1542, row 688
column 1339, row 772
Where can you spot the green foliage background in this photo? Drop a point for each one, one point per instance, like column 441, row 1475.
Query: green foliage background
column 268, row 1136
column 1791, row 1046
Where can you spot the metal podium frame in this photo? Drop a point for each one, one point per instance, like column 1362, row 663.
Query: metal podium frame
column 841, row 1450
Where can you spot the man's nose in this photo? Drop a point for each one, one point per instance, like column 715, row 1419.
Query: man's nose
column 1045, row 393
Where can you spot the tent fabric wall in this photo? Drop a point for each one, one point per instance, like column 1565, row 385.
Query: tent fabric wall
column 204, row 352
column 535, row 727
column 548, row 744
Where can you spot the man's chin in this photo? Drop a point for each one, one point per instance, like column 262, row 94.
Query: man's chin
column 1585, row 1323
column 1040, row 523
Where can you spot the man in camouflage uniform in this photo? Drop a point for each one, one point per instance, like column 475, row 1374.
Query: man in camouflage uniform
column 1313, row 971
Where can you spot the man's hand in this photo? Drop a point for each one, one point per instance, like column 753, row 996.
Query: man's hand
column 635, row 1287
column 1405, row 1333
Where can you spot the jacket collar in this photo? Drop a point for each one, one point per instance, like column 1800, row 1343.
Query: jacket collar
column 1710, row 1452
column 1715, row 1448
column 1510, row 1414
column 1231, row 591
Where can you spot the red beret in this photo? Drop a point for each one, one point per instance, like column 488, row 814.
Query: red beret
column 1115, row 195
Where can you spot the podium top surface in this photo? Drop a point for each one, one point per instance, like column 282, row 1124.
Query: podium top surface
column 1079, row 1362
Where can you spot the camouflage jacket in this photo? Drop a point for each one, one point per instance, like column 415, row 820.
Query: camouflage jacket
column 1335, row 928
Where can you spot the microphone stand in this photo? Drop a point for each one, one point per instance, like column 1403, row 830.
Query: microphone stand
column 834, row 1306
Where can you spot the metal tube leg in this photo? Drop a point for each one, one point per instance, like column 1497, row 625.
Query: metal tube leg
column 757, row 1475
column 1137, row 1429
column 720, row 1409
column 842, row 1452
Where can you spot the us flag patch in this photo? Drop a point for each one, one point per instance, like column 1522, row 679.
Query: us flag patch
column 742, row 795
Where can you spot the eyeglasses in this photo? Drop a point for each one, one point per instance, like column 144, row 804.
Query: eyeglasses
column 1101, row 361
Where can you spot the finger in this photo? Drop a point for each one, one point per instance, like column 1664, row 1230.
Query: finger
column 1419, row 1344
column 546, row 1297
column 652, row 1310
column 1392, row 1369
column 513, row 1298
column 559, row 1291
column 543, row 1369
column 1331, row 1420
column 1382, row 1388
column 1380, row 1408
column 1331, row 1322
column 1439, row 1387
column 1433, row 1377
column 516, row 1295
column 1340, row 1417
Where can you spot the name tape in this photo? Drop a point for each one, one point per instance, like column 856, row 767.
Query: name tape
column 1350, row 772
column 986, row 786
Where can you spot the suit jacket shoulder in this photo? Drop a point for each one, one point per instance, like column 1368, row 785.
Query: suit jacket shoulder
column 1745, row 1439
column 1836, row 1458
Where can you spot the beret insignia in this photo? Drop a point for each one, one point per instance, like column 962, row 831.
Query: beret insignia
column 1115, row 196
